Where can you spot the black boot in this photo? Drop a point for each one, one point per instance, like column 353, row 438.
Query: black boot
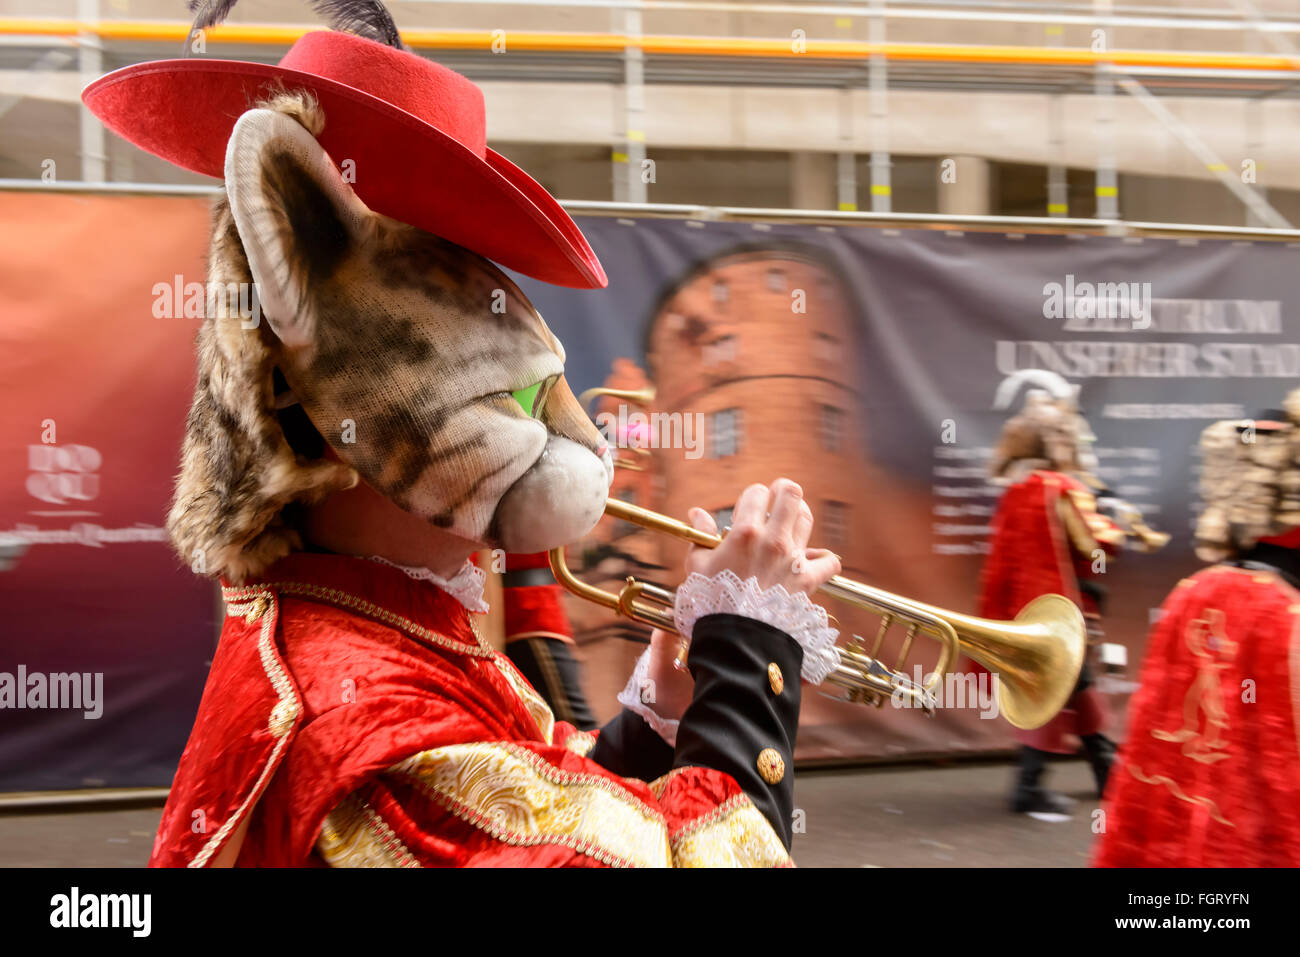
column 1101, row 753
column 1030, row 796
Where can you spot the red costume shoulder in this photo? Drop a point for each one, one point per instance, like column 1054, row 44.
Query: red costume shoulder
column 353, row 717
column 317, row 685
column 1209, row 775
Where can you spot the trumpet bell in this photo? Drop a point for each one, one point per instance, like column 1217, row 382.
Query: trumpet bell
column 1037, row 658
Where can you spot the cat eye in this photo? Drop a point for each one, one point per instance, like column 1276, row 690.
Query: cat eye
column 533, row 399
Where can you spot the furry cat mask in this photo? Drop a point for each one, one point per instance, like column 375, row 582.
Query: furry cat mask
column 404, row 350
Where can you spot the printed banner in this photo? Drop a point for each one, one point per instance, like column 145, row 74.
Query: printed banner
column 874, row 366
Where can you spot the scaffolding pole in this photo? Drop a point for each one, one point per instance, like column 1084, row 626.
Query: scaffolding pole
column 1253, row 201
column 1058, row 185
column 631, row 174
column 90, row 64
column 1106, row 187
column 846, row 160
column 878, row 81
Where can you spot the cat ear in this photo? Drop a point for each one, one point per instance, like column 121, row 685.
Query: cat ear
column 297, row 218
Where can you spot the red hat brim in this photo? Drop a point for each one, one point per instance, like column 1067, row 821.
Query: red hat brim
column 184, row 110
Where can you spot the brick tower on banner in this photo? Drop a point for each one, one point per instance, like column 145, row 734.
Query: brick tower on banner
column 753, row 357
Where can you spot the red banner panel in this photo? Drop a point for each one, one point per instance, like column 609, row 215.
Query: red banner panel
column 104, row 635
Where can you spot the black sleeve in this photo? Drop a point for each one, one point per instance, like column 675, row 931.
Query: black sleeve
column 744, row 712
column 630, row 748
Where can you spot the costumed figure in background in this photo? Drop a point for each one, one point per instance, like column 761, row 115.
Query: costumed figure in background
column 390, row 404
column 1056, row 526
column 539, row 637
column 1209, row 772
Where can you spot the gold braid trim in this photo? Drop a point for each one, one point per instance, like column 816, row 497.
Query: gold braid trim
column 521, row 800
column 535, row 705
column 344, row 600
column 262, row 606
column 734, row 834
column 1177, row 792
column 580, row 743
column 354, row 835
column 660, row 784
column 1076, row 522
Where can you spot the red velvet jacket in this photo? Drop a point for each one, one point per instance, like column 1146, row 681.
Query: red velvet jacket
column 352, row 716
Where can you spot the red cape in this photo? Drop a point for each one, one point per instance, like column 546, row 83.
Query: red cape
column 1032, row 553
column 1209, row 775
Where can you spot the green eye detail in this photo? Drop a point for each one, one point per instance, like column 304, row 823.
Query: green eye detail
column 527, row 397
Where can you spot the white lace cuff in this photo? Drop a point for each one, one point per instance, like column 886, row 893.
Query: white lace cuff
column 795, row 614
column 634, row 697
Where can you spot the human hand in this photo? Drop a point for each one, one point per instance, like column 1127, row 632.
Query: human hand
column 670, row 687
column 768, row 540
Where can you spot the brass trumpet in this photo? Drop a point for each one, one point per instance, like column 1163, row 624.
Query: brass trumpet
column 1037, row 656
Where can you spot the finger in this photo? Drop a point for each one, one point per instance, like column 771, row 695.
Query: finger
column 803, row 527
column 819, row 567
column 751, row 508
column 787, row 496
column 702, row 521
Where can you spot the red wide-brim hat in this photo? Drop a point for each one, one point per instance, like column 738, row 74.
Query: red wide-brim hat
column 414, row 131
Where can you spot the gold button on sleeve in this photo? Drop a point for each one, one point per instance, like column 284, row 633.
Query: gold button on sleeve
column 771, row 765
column 775, row 678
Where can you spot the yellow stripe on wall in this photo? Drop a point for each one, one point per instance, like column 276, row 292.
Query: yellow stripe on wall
column 284, row 35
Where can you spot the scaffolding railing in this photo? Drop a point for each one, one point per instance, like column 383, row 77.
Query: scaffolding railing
column 38, row 31
column 632, row 59
column 818, row 217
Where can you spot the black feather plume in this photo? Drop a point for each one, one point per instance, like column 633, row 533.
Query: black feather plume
column 365, row 18
column 208, row 13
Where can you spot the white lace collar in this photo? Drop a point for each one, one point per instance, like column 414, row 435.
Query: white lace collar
column 466, row 586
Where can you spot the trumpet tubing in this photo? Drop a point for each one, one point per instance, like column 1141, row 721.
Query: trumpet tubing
column 1037, row 656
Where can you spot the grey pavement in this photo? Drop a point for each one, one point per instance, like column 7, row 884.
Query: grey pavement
column 923, row 816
